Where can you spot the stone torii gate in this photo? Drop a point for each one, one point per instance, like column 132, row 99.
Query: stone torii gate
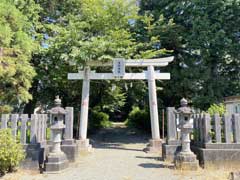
column 119, row 74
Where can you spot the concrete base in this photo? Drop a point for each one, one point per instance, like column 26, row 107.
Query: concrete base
column 186, row 161
column 154, row 146
column 56, row 163
column 218, row 158
column 169, row 152
column 235, row 175
column 34, row 157
column 71, row 152
column 83, row 146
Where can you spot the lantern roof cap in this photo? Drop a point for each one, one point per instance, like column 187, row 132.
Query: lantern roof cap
column 184, row 109
column 57, row 109
column 57, row 101
column 183, row 102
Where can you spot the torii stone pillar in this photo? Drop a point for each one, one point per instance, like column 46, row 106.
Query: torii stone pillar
column 83, row 142
column 155, row 144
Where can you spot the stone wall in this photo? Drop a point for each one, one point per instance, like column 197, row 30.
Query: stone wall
column 215, row 140
column 34, row 136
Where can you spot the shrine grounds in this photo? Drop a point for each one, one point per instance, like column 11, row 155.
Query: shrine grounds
column 118, row 155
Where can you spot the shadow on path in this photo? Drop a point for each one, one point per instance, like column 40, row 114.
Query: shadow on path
column 152, row 165
column 119, row 137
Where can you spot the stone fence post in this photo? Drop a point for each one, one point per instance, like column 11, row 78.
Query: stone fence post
column 236, row 128
column 207, row 129
column 68, row 136
column 171, row 126
column 24, row 119
column 217, row 128
column 5, row 118
column 33, row 134
column 227, row 128
column 14, row 126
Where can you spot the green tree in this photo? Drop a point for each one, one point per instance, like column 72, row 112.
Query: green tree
column 16, row 47
column 205, row 41
column 81, row 31
column 217, row 108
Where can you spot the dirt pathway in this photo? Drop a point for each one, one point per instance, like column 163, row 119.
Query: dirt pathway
column 118, row 155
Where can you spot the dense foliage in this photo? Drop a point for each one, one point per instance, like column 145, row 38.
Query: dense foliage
column 98, row 120
column 217, row 109
column 11, row 152
column 203, row 35
column 140, row 119
column 16, row 47
column 205, row 39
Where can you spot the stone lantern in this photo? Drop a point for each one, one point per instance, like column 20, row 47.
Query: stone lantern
column 56, row 159
column 185, row 159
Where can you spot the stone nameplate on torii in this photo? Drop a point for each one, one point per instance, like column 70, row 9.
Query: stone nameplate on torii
column 119, row 73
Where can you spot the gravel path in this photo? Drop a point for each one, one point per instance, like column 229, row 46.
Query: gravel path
column 118, row 155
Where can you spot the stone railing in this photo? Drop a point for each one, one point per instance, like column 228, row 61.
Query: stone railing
column 172, row 145
column 207, row 130
column 215, row 140
column 32, row 129
column 173, row 136
column 216, row 131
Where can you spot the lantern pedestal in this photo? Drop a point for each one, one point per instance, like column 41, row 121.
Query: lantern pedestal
column 186, row 161
column 56, row 163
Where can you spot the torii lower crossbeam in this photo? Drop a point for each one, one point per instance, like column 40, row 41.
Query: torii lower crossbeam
column 110, row 76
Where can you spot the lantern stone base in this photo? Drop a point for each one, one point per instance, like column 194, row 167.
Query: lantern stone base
column 83, row 146
column 154, row 146
column 186, row 161
column 56, row 162
column 68, row 142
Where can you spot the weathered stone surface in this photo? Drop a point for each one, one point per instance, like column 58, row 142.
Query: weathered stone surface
column 236, row 128
column 24, row 119
column 68, row 142
column 171, row 125
column 33, row 129
column 235, row 175
column 33, row 157
column 4, row 123
column 154, row 146
column 207, row 128
column 14, row 120
column 153, row 103
column 227, row 128
column 69, row 124
column 222, row 146
column 186, row 161
column 218, row 157
column 84, row 146
column 200, row 125
column 56, row 159
column 217, row 128
column 71, row 152
column 170, row 151
column 56, row 164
